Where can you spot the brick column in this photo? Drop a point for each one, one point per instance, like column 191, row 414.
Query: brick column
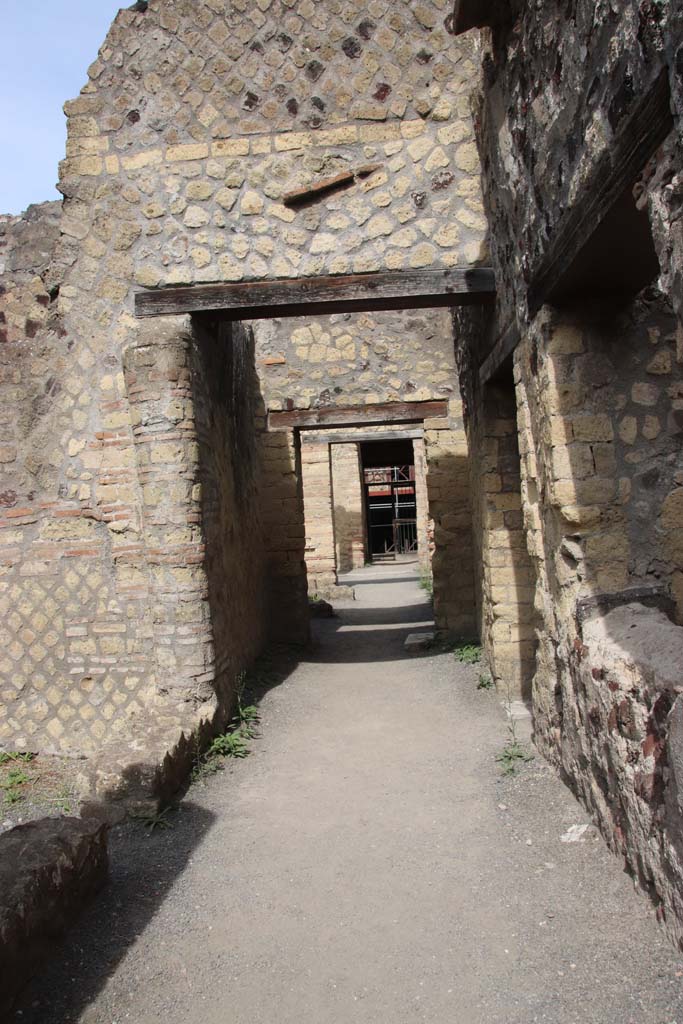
column 282, row 514
column 158, row 383
column 422, row 501
column 317, row 484
column 448, row 488
column 348, row 510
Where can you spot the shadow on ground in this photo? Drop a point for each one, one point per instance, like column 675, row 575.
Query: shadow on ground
column 145, row 864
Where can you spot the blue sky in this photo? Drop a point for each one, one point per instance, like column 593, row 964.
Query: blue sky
column 46, row 49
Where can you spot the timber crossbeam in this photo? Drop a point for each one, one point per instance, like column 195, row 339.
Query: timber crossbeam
column 357, row 415
column 309, row 296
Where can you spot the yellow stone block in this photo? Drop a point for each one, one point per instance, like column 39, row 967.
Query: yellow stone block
column 292, row 140
column 140, row 160
column 191, row 151
column 230, row 147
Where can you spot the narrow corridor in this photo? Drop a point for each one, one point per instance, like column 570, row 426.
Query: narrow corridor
column 368, row 863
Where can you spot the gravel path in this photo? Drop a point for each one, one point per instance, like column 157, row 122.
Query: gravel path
column 367, row 863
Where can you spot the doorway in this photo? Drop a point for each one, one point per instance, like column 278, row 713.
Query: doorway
column 390, row 500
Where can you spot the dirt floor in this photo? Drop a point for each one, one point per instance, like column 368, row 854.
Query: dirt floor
column 36, row 786
column 368, row 863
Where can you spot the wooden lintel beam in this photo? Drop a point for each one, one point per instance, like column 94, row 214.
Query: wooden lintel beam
column 361, row 437
column 633, row 145
column 357, row 415
column 505, row 345
column 254, row 300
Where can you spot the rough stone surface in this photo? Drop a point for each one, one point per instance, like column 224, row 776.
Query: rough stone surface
column 240, row 107
column 356, row 359
column 416, row 642
column 122, row 636
column 597, row 395
column 50, row 870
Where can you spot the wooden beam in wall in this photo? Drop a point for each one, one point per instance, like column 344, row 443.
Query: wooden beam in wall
column 357, row 415
column 264, row 300
column 634, row 143
column 360, row 437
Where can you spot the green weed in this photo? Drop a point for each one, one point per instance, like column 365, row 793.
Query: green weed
column 12, row 783
column 246, row 720
column 427, row 583
column 229, row 744
column 467, row 653
column 153, row 820
column 485, row 681
column 513, row 756
column 205, row 766
column 6, row 756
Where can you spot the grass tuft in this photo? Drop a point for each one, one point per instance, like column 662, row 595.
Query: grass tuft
column 467, row 653
column 513, row 756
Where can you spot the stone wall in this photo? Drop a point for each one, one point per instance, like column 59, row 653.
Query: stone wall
column 597, row 389
column 356, row 359
column 450, row 514
column 507, row 575
column 561, row 81
column 601, row 463
column 134, row 617
column 316, row 471
column 284, row 532
column 230, row 477
column 425, row 526
column 199, row 118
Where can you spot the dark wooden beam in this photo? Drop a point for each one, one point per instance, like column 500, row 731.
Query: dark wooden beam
column 357, row 415
column 504, row 347
column 317, row 189
column 476, row 14
column 615, row 174
column 361, row 436
column 308, row 296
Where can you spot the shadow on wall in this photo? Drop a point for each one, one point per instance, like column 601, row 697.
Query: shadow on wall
column 227, row 403
column 252, row 507
column 507, row 573
column 348, row 536
column 448, row 492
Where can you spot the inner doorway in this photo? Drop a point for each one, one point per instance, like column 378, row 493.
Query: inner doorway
column 390, row 500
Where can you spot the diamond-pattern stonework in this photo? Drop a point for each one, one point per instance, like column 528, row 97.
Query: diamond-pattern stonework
column 64, row 625
column 198, row 118
column 241, row 106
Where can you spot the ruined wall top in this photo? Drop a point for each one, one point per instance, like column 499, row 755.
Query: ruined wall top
column 199, row 117
column 231, row 67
